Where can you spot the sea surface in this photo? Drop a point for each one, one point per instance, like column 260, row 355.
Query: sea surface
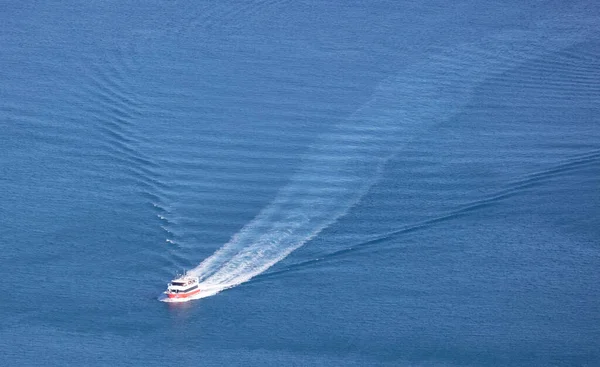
column 356, row 182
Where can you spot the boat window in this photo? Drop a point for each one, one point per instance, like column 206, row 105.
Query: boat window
column 178, row 283
column 191, row 288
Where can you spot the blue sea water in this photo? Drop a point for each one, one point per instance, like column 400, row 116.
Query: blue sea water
column 368, row 183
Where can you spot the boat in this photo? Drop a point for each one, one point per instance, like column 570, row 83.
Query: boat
column 184, row 286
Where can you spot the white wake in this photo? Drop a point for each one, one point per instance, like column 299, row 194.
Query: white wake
column 344, row 163
column 337, row 171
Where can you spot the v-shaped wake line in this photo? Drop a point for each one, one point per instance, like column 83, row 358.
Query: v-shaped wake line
column 343, row 164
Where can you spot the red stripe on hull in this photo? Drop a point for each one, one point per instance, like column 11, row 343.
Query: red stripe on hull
column 183, row 295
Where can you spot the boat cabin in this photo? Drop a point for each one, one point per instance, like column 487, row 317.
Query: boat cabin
column 183, row 285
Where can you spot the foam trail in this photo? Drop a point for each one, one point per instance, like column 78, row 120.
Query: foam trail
column 334, row 175
column 344, row 163
column 338, row 170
